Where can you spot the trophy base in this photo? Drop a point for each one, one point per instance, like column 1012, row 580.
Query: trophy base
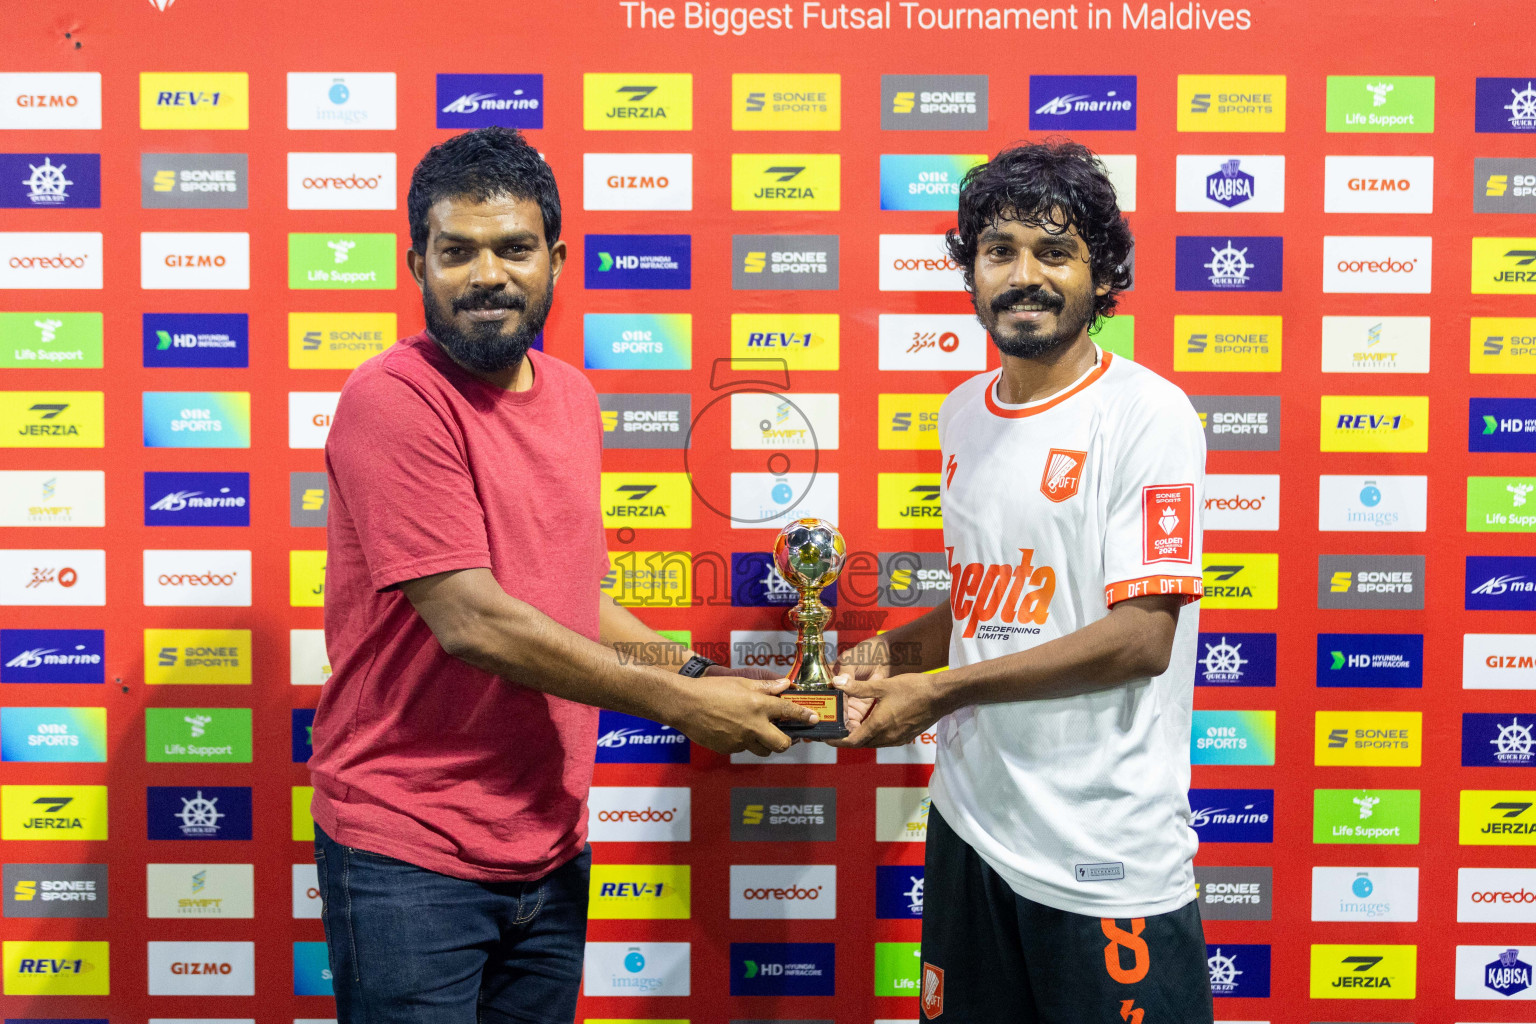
column 828, row 705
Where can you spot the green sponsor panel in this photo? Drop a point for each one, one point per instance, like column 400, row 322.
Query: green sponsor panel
column 50, row 341
column 898, row 968
column 1374, row 817
column 1381, row 103
column 1118, row 335
column 1501, row 504
column 197, row 735
column 342, row 260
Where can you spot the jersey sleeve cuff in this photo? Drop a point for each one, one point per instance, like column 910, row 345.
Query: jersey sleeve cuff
column 1188, row 587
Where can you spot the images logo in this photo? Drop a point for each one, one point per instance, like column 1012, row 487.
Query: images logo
column 1250, row 580
column 195, row 99
column 638, row 261
column 1374, row 423
column 1227, row 344
column 1378, row 184
column 55, row 890
column 480, row 101
column 804, row 341
column 784, row 262
column 206, row 579
column 1363, row 103
column 1392, row 660
column 193, row 181
column 333, row 100
column 1370, row 581
column 197, row 419
column 57, row 968
column 196, row 260
column 917, row 263
column 929, row 182
column 932, row 342
column 1364, row 972
column 769, row 501
column 1365, row 894
column 205, row 812
column 1375, row 344
column 1233, row 815
column 197, row 735
column 196, row 339
column 1228, row 263
column 197, row 499
column 1235, row 894
column 794, row 103
column 933, row 102
column 50, row 181
column 783, row 815
column 637, row 103
column 783, row 969
column 1231, row 103
column 649, row 892
column 898, row 892
column 636, row 969
column 1232, row 737
column 53, row 812
column 72, row 734
column 1082, row 103
column 341, row 261
column 626, row 739
column 52, row 656
column 1235, row 659
column 50, row 259
column 1242, row 184
column 1394, row 738
column 51, row 100
column 1500, row 583
column 638, row 341
column 1377, row 264
column 341, row 181
column 1497, row 817
column 1506, row 105
column 785, row 181
column 1238, row 970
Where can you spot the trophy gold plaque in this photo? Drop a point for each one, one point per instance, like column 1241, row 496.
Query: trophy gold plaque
column 809, row 554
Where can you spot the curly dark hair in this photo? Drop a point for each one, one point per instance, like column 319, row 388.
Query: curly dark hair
column 479, row 165
column 1059, row 183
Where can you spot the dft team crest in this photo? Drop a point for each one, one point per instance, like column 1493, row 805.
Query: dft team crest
column 1063, row 473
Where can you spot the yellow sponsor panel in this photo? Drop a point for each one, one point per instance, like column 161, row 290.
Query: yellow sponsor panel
column 57, row 969
column 648, row 892
column 1364, row 972
column 650, row 579
column 661, row 500
column 1498, row 817
column 786, row 103
column 909, row 421
column 53, row 812
column 194, row 99
column 804, row 341
column 52, row 419
column 1391, row 738
column 1246, row 580
column 1374, row 423
column 909, row 501
column 1226, row 344
column 1504, row 344
column 306, row 579
column 1231, row 103
column 1504, row 266
column 303, row 823
column 637, row 103
column 205, row 657
column 786, row 181
column 337, row 341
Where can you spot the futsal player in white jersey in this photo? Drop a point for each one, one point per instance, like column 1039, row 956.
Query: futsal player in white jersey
column 1059, row 886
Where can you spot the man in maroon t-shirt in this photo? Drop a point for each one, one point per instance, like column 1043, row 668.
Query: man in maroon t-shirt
column 454, row 742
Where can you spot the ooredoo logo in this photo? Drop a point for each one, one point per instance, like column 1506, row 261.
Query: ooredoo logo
column 917, row 263
column 341, row 181
column 1496, row 894
column 640, row 814
column 799, row 891
column 1377, row 264
column 214, row 579
column 50, row 259
column 1242, row 502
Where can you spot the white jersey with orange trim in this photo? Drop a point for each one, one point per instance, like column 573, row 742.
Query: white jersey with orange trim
column 1053, row 511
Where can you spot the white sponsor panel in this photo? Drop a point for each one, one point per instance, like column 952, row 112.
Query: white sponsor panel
column 1242, row 501
column 770, row 501
column 1121, row 169
column 348, row 101
column 40, row 260
column 53, row 497
column 640, row 814
column 761, row 892
column 1372, row 504
column 1377, row 264
column 920, row 750
column 760, row 420
column 1378, row 184
column 933, row 341
column 1496, row 894
column 309, row 417
column 195, row 260
column 202, row 968
column 1498, row 661
column 1365, row 894
column 637, row 181
column 49, row 577
column 50, row 100
column 768, row 648
column 1495, row 972
column 200, row 890
column 806, row 752
column 306, row 891
column 1375, row 344
column 341, row 181
column 308, row 663
column 901, row 814
column 1223, row 183
column 200, row 579
column 637, row 969
column 917, row 263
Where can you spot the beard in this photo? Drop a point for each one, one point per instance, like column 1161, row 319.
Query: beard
column 1029, row 341
column 487, row 347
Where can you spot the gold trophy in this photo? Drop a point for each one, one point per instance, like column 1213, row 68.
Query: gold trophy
column 809, row 554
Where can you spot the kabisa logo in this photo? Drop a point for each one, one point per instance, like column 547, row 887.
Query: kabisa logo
column 1229, row 344
column 196, row 339
column 480, row 101
column 1245, row 580
column 1235, row 659
column 1364, row 972
column 782, row 814
column 193, row 181
column 1500, row 583
column 1370, row 581
column 1365, row 894
column 626, row 739
column 773, row 892
column 1501, row 504
column 1366, row 816
column 1374, row 423
column 52, row 655
column 51, row 100
column 1017, row 596
column 802, row 103
column 786, row 181
column 1494, row 973
column 1394, row 738
column 57, row 969
column 1504, row 185
column 194, row 99
column 1231, row 103
column 1082, row 102
column 1378, row 264
column 933, row 102
column 205, row 812
column 55, row 890
column 50, row 181
column 50, row 259
column 1210, row 263
column 1239, row 422
column 1497, row 817
column 1504, row 266
column 782, row 969
column 898, row 892
column 1230, row 184
column 53, row 812
column 638, row 261
column 1393, row 660
column 756, row 583
column 1497, row 741
column 650, row 892
column 1506, row 105
column 346, row 101
column 197, row 499
column 1234, row 893
column 1233, row 815
column 927, row 182
column 784, row 262
column 1501, row 425
column 1238, row 970
column 1376, row 103
column 637, row 102
column 197, row 656
column 909, row 501
column 70, row 734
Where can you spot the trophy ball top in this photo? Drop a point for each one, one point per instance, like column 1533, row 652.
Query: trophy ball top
column 809, row 553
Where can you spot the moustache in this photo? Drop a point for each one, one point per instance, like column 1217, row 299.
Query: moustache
column 1035, row 295
column 490, row 301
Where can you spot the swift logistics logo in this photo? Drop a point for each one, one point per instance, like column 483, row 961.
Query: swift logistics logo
column 784, row 262
column 1239, row 422
column 1370, row 581
column 1230, row 184
column 786, row 103
column 1497, row 741
column 1500, row 583
column 1231, row 103
column 1501, row 504
column 1364, row 972
column 1235, row 893
column 194, row 181
column 1501, row 425
column 1232, row 737
column 53, row 812
column 1238, row 970
column 1375, row 344
column 783, row 968
column 52, row 656
column 74, row 734
column 637, row 102
column 1506, row 105
column 308, row 663
column 197, row 419
column 482, row 101
column 209, row 340
column 1374, row 423
column 1235, row 659
column 55, row 890
column 627, row 739
column 347, row 261
column 786, row 181
column 637, row 341
column 53, row 498
column 1497, row 817
column 648, row 892
column 199, row 812
column 1372, row 817
column 1247, row 580
column 201, row 100
column 1504, row 266
column 57, row 968
column 804, row 341
column 1082, row 103
column 1365, row 894
column 337, row 341
column 1382, row 660
column 207, row 657
column 197, row 735
column 51, row 100
column 1228, row 263
column 1233, row 815
column 1503, row 344
column 933, row 102
column 1361, row 738
column 1504, row 185
column 762, row 420
column 55, row 340
column 1227, row 344
column 638, row 261
column 1381, row 103
column 50, row 181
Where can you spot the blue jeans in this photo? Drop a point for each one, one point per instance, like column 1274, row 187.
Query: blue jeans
column 411, row 946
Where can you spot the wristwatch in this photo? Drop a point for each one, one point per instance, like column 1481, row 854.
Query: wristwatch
column 695, row 666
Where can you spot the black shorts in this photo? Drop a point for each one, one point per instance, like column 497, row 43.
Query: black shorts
column 990, row 956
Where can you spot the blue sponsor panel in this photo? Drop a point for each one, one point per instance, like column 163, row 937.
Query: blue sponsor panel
column 50, row 181
column 639, row 261
column 1228, row 263
column 1238, row 970
column 197, row 499
column 1096, row 103
column 1235, row 659
column 1498, row 741
column 1233, row 815
column 628, row 739
column 1501, row 583
column 199, row 812
column 782, row 969
column 756, row 583
column 1506, row 105
column 1501, row 425
column 480, row 101
column 52, row 656
column 898, row 892
column 311, row 970
column 1394, row 660
column 197, row 340
column 303, row 734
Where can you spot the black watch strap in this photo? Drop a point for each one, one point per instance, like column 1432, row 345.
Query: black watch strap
column 695, row 666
